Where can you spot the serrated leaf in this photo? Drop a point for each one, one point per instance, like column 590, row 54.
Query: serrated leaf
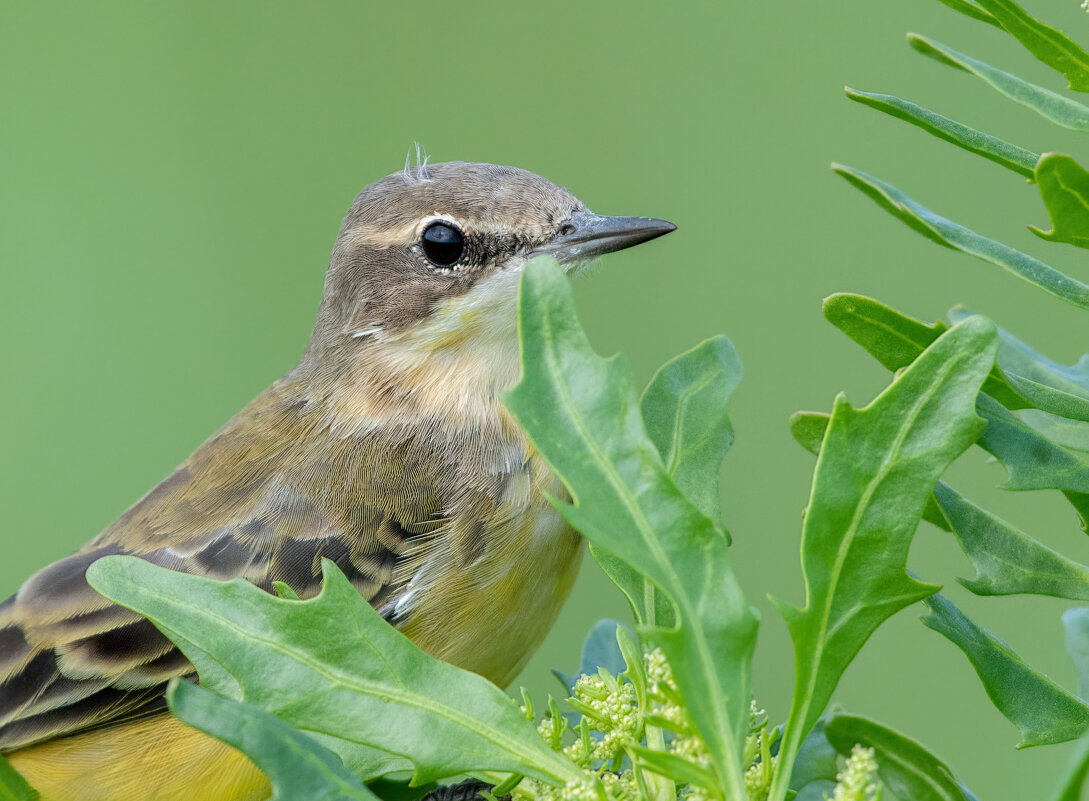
column 332, row 665
column 295, row 764
column 685, row 412
column 953, row 235
column 13, row 787
column 876, row 469
column 1050, row 46
column 599, row 650
column 1012, row 157
column 896, row 340
column 1064, row 188
column 1007, row 560
column 905, row 766
column 1050, row 400
column 1051, row 105
column 892, row 338
column 972, row 10
column 1017, row 357
column 582, row 413
column 1033, row 460
column 808, row 429
column 1042, row 710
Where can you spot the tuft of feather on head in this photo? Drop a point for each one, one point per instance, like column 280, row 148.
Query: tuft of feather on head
column 416, row 173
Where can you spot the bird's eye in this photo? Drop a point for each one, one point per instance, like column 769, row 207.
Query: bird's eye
column 443, row 244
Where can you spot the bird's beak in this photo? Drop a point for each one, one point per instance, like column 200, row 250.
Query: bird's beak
column 585, row 236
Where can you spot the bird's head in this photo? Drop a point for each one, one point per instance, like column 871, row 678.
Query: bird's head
column 427, row 260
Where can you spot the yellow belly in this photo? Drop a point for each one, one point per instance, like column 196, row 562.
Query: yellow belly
column 491, row 617
column 154, row 759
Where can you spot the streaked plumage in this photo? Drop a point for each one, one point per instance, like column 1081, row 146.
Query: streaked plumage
column 386, row 450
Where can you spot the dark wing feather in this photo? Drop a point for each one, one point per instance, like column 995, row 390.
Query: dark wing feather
column 267, row 498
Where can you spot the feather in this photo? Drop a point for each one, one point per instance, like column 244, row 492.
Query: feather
column 418, row 172
column 242, row 505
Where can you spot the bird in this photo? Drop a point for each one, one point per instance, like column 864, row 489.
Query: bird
column 386, row 449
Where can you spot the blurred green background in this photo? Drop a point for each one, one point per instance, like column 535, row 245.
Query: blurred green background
column 173, row 177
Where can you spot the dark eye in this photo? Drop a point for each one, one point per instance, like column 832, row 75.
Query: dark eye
column 443, row 244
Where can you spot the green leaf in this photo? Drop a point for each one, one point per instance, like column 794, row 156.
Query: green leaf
column 1070, row 434
column 1050, row 400
column 876, row 469
column 283, row 590
column 1080, row 502
column 1033, row 460
column 1043, row 711
column 817, row 760
column 1050, row 46
column 648, row 606
column 672, row 766
column 1017, row 357
column 1007, row 560
column 950, row 234
column 820, row 790
column 1072, row 783
column 973, row 11
column 892, row 338
column 13, row 787
column 1064, row 188
column 1060, row 110
column 897, row 340
column 685, row 412
column 1076, row 626
column 296, row 765
column 582, row 413
column 332, row 665
column 808, row 429
column 599, row 650
column 1057, row 389
column 989, row 147
column 906, row 768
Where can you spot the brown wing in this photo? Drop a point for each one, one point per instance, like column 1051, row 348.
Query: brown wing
column 267, row 498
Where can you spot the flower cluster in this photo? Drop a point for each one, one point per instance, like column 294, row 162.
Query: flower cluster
column 635, row 734
column 609, row 706
column 611, row 722
column 668, row 710
column 858, row 779
column 761, row 764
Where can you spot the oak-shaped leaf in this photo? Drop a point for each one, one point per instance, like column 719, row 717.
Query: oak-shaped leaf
column 331, row 665
column 876, row 469
column 583, row 414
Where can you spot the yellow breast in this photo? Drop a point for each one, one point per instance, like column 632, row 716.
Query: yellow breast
column 489, row 616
